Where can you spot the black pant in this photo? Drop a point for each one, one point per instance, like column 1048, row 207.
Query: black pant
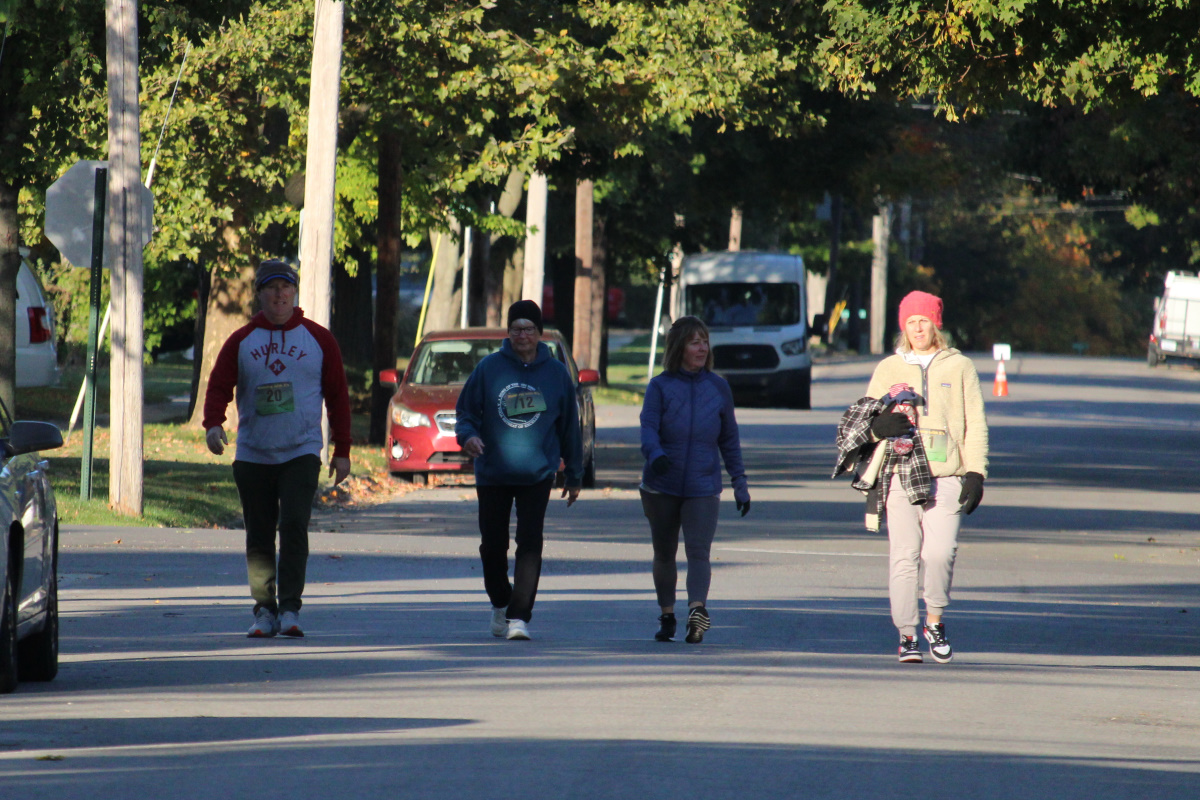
column 495, row 507
column 277, row 495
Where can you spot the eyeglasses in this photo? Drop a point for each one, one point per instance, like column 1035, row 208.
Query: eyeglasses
column 531, row 331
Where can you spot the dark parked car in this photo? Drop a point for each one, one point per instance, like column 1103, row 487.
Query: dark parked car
column 28, row 571
column 421, row 414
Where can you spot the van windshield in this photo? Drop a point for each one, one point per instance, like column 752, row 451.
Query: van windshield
column 729, row 304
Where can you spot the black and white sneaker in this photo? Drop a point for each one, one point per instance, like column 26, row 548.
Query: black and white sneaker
column 698, row 622
column 666, row 628
column 939, row 645
column 910, row 651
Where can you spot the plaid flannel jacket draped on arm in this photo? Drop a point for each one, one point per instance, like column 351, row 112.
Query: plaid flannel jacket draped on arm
column 857, row 449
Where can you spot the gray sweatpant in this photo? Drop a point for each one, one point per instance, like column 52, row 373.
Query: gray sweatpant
column 697, row 516
column 924, row 542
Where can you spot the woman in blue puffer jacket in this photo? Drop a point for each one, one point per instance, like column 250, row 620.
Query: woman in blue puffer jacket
column 688, row 427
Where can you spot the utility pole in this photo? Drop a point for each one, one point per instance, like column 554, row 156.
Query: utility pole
column 124, row 242
column 535, row 238
column 320, row 169
column 581, row 333
column 881, row 231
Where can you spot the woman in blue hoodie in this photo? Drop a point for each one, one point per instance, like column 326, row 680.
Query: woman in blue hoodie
column 688, row 428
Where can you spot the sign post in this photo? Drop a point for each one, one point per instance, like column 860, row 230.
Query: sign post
column 89, row 378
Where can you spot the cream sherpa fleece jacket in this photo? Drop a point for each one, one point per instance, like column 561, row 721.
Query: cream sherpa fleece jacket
column 954, row 404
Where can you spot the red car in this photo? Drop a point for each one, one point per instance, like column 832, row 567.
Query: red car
column 421, row 414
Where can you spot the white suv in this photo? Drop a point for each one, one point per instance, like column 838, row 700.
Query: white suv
column 37, row 356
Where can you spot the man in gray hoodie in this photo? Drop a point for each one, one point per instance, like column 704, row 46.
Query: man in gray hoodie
column 284, row 368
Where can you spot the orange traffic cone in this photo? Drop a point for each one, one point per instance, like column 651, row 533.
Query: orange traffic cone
column 1000, row 387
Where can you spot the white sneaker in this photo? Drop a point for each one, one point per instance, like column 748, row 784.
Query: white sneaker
column 265, row 625
column 517, row 630
column 289, row 624
column 499, row 623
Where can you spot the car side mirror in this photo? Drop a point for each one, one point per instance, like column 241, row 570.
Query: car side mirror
column 31, row 437
column 589, row 377
column 389, row 377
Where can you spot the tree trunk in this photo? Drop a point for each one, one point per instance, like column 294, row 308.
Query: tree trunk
column 581, row 342
column 735, row 230
column 351, row 321
column 387, row 278
column 231, row 303
column 203, row 291
column 10, row 265
column 440, row 315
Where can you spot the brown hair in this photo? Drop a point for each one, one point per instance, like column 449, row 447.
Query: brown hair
column 681, row 332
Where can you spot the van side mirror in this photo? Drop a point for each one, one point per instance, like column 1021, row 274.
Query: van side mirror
column 820, row 326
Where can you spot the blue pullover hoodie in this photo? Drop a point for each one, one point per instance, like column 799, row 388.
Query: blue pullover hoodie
column 527, row 417
column 689, row 418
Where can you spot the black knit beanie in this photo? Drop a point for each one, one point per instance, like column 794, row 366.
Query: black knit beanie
column 525, row 309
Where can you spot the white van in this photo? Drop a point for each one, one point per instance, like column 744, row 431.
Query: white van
column 756, row 307
column 37, row 354
column 1175, row 333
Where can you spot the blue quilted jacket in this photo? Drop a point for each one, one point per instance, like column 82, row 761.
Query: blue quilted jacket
column 688, row 417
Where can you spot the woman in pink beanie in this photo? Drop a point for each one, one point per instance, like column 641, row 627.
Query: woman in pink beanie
column 924, row 494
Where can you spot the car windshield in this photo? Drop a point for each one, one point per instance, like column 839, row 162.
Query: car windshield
column 728, row 304
column 450, row 361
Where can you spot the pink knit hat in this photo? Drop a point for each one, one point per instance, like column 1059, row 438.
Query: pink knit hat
column 921, row 304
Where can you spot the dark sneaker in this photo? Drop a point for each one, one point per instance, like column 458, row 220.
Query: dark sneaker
column 698, row 622
column 939, row 645
column 910, row 651
column 666, row 628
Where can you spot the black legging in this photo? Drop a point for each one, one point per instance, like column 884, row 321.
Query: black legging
column 495, row 507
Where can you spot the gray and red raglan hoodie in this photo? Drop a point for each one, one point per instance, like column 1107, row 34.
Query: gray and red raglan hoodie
column 282, row 373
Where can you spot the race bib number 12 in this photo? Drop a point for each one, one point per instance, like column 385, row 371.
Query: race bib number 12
column 518, row 403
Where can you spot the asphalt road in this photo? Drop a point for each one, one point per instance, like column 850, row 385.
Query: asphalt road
column 1076, row 623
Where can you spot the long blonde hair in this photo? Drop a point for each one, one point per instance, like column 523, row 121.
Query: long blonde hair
column 681, row 332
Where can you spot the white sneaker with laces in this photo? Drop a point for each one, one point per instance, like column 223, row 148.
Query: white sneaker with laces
column 289, row 624
column 517, row 630
column 499, row 623
column 265, row 625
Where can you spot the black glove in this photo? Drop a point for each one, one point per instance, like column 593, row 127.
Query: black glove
column 660, row 465
column 972, row 492
column 888, row 424
column 744, row 508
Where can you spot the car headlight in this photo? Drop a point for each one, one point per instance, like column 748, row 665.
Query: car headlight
column 793, row 348
column 405, row 417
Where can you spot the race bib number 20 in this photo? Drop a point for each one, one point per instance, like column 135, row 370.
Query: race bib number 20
column 274, row 398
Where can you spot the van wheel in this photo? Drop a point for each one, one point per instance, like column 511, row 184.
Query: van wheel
column 1152, row 357
column 801, row 398
column 8, row 634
